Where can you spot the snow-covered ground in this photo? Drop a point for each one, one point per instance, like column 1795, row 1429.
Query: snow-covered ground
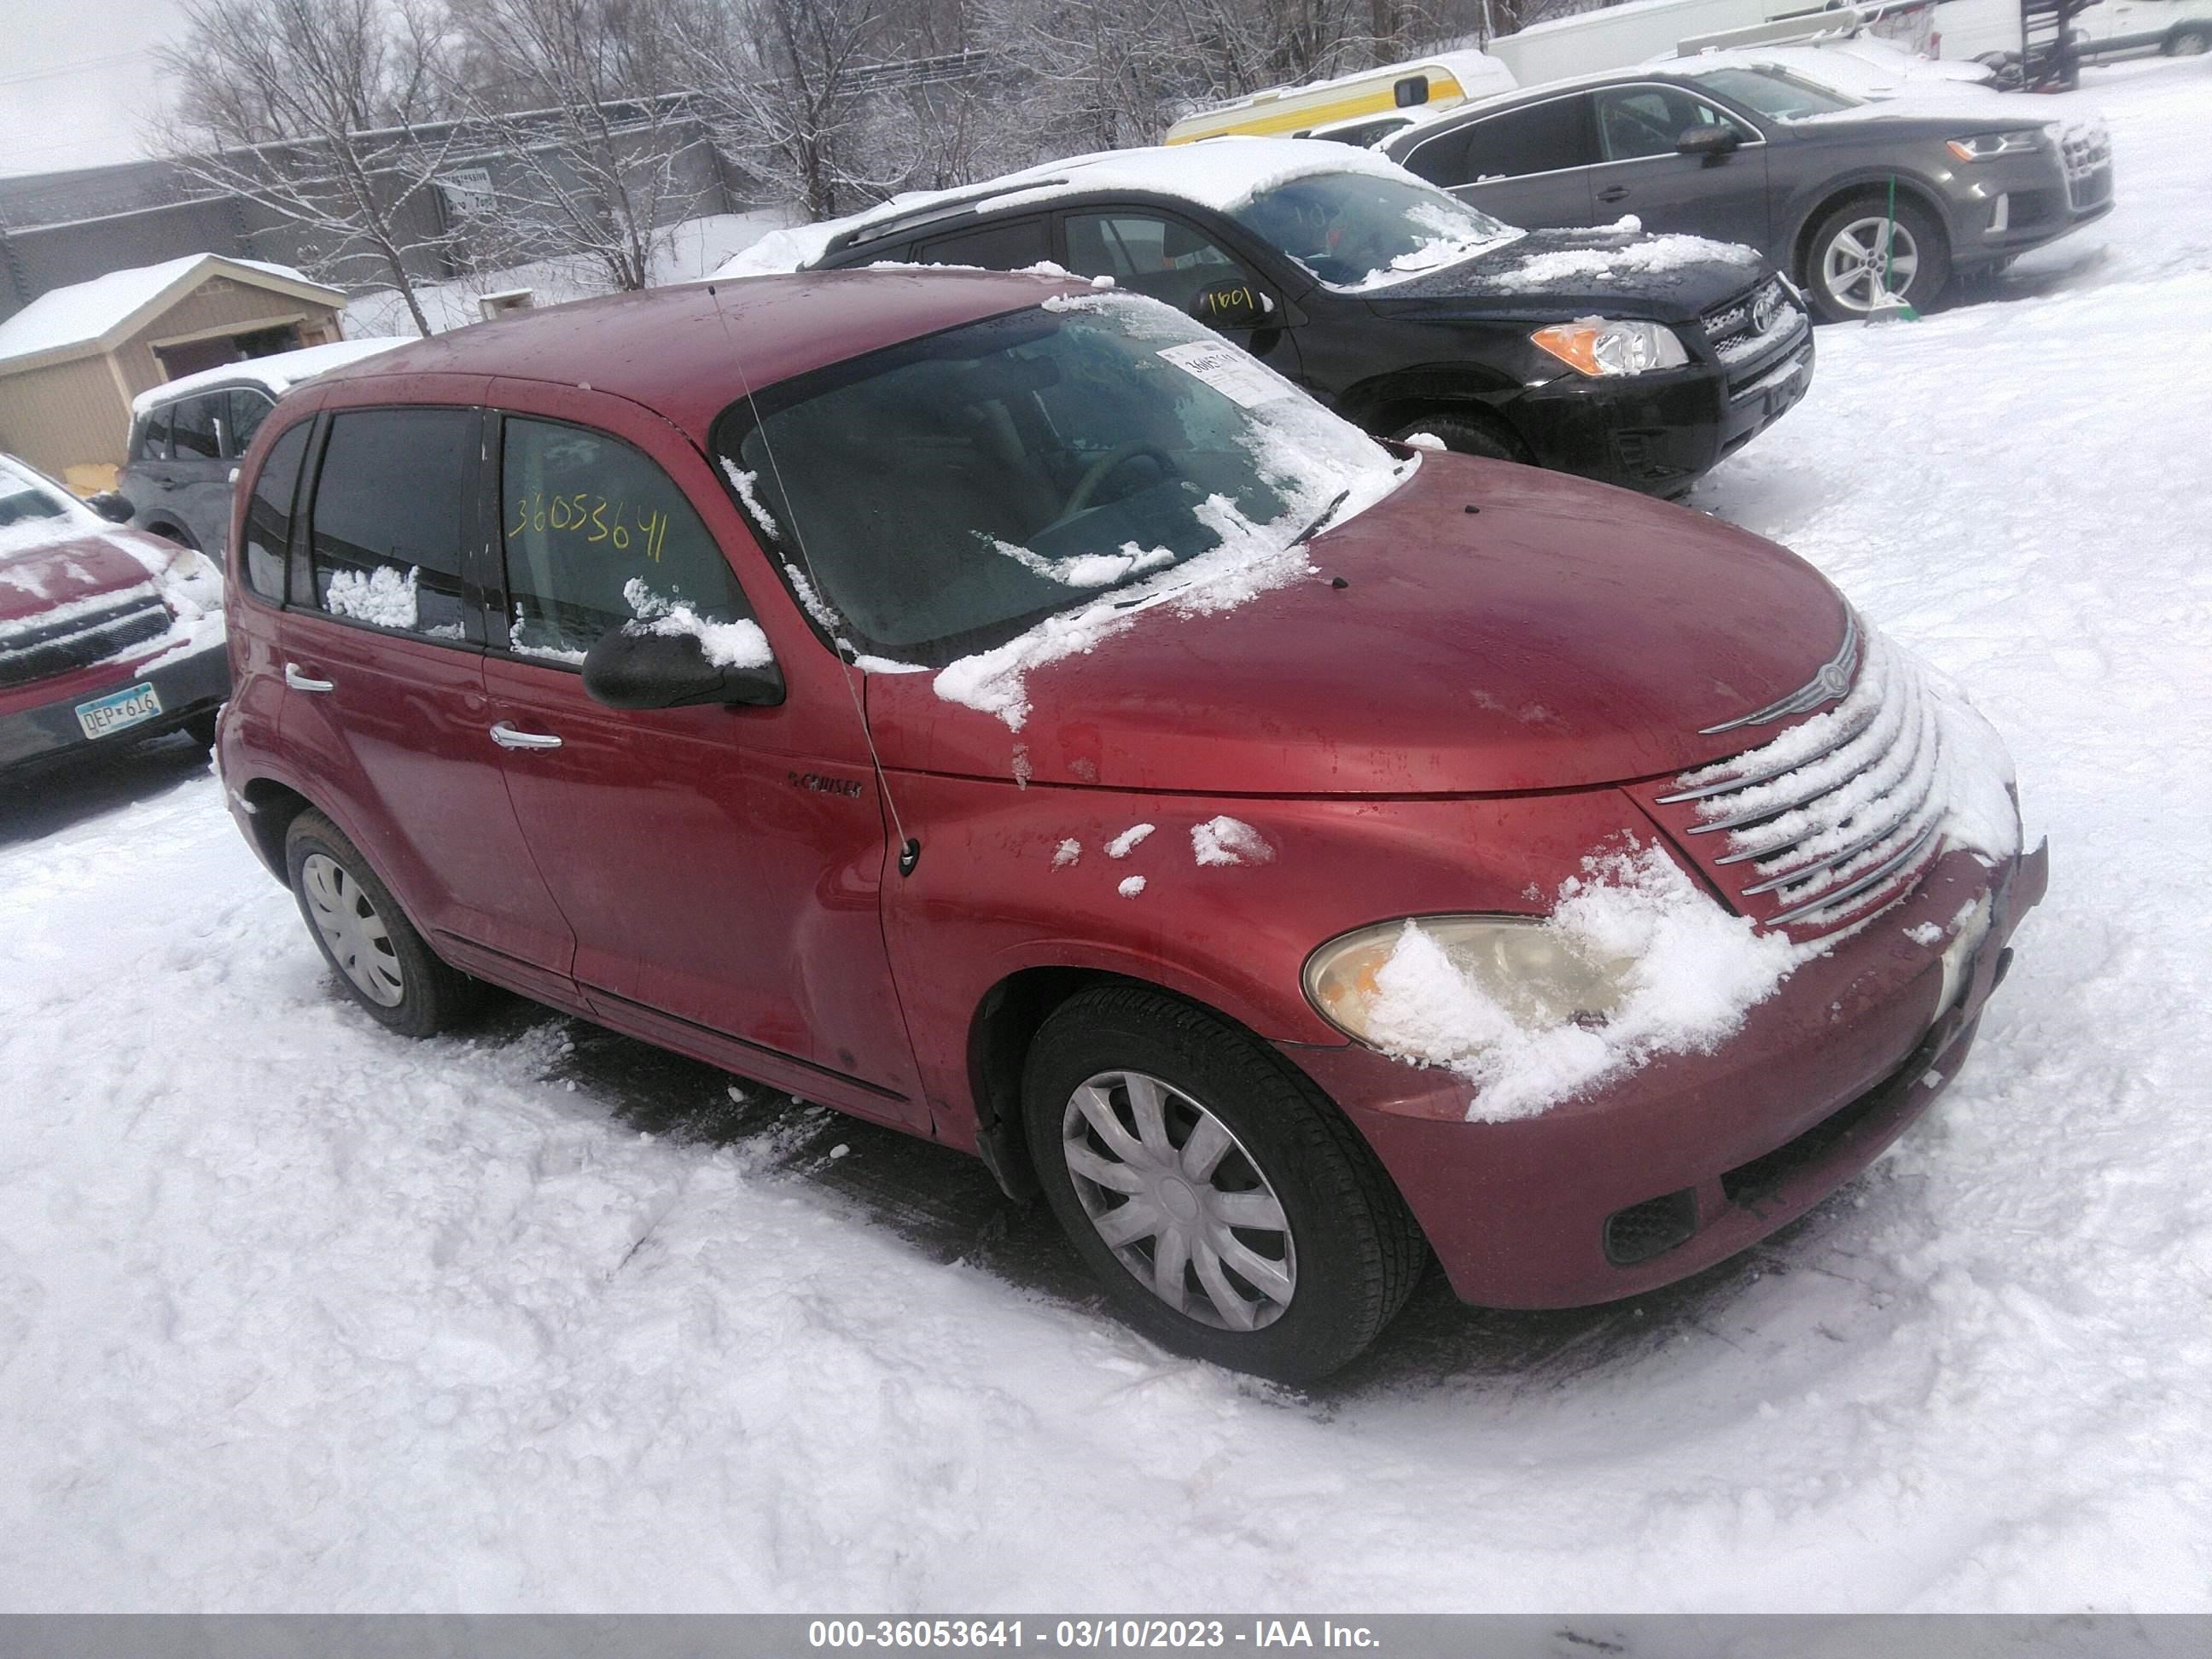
column 297, row 1315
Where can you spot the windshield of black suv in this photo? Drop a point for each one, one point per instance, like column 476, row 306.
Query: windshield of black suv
column 947, row 493
column 1771, row 92
column 24, row 496
column 1358, row 230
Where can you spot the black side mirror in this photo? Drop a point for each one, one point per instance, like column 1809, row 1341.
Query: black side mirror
column 1232, row 304
column 112, row 506
column 1712, row 143
column 633, row 667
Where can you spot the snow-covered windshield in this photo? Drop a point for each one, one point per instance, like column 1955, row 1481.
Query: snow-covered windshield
column 948, row 493
column 1770, row 92
column 1357, row 230
column 24, row 495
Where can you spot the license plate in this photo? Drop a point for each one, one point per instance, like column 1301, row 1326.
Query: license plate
column 118, row 709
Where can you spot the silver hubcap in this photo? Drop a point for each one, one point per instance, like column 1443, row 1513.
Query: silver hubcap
column 1178, row 1199
column 2188, row 45
column 351, row 928
column 1851, row 269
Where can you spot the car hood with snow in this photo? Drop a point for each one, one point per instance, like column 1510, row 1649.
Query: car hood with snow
column 38, row 576
column 1498, row 628
column 1615, row 268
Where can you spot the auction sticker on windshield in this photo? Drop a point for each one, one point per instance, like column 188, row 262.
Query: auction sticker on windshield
column 1228, row 371
column 118, row 709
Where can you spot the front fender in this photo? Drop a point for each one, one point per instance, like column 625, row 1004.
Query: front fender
column 999, row 889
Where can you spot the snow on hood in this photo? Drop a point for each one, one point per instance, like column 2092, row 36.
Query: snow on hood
column 1641, row 256
column 1613, row 269
column 1222, row 173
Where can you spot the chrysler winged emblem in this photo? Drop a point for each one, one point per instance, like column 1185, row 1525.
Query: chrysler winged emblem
column 1831, row 683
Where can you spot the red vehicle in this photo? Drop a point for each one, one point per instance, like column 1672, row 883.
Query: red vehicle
column 993, row 708
column 107, row 634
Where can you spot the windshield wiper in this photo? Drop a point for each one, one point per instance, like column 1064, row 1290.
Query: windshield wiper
column 1320, row 518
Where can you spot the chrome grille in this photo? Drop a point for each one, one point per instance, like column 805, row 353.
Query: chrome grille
column 1751, row 332
column 41, row 653
column 2087, row 151
column 1836, row 817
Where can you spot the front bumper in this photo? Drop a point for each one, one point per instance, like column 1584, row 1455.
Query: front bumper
column 1824, row 1076
column 1657, row 433
column 2035, row 201
column 190, row 682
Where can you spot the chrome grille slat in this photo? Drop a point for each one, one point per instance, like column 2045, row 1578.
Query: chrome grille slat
column 1837, row 815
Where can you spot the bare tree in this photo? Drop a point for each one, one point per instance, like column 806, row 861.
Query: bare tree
column 316, row 109
column 581, row 107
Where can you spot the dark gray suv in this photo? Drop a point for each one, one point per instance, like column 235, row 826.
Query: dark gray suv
column 1753, row 153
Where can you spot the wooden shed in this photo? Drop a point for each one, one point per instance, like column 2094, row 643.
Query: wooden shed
column 71, row 361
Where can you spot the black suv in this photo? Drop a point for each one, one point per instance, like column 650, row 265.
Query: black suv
column 1850, row 196
column 1636, row 361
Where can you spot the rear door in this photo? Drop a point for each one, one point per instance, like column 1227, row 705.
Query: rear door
column 1641, row 171
column 381, row 650
column 721, row 866
column 1530, row 166
column 1171, row 257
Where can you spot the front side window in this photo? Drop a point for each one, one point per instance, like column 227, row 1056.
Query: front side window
column 1635, row 122
column 1771, row 92
column 193, row 435
column 268, row 514
column 1149, row 253
column 1361, row 230
column 384, row 544
column 596, row 535
column 945, row 494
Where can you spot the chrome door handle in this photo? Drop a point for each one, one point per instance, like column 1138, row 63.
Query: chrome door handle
column 507, row 738
column 300, row 682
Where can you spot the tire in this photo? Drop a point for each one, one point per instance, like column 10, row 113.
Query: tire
column 177, row 533
column 1920, row 254
column 1468, row 434
column 2188, row 42
column 1326, row 1253
column 200, row 728
column 378, row 958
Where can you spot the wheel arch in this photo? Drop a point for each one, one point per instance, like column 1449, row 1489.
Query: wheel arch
column 1387, row 402
column 271, row 809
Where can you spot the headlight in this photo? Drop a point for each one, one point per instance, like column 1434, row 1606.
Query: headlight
column 1529, row 969
column 1983, row 145
column 1594, row 345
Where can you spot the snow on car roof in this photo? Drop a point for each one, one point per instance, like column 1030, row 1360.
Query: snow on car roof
column 275, row 374
column 85, row 312
column 1222, row 174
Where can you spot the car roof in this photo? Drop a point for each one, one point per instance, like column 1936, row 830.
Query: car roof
column 1443, row 120
column 689, row 350
column 275, row 374
column 1221, row 173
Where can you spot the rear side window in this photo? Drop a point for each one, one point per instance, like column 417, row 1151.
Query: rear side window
column 1161, row 257
column 596, row 535
column 1540, row 138
column 268, row 514
column 154, row 437
column 385, row 542
column 248, row 410
column 1006, row 246
column 193, row 428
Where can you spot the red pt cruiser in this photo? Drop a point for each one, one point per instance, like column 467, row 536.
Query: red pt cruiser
column 989, row 706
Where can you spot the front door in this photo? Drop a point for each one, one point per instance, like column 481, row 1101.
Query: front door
column 721, row 866
column 1722, row 195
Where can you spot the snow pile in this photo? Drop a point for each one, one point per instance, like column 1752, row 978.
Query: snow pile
column 382, row 597
column 1067, row 853
column 1131, row 887
column 737, row 644
column 1226, row 841
column 1687, row 971
column 1127, row 842
column 1568, row 266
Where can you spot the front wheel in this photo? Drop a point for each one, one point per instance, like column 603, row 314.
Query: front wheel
column 1467, row 434
column 1225, row 1205
column 2188, row 42
column 1861, row 247
column 379, row 958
